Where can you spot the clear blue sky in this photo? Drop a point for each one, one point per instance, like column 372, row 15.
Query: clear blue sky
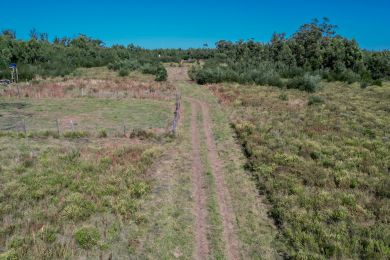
column 190, row 23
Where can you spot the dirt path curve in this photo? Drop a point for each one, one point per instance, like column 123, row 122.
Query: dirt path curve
column 201, row 248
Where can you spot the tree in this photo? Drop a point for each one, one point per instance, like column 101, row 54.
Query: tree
column 9, row 33
column 34, row 34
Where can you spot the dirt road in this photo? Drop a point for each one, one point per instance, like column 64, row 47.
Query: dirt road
column 223, row 196
column 204, row 205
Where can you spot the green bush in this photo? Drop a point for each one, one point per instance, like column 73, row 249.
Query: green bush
column 87, row 237
column 123, row 72
column 377, row 82
column 364, row 85
column 307, row 83
column 161, row 74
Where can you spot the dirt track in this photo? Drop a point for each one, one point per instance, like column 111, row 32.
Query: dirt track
column 223, row 197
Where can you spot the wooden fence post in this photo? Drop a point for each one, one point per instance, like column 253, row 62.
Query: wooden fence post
column 176, row 114
column 58, row 126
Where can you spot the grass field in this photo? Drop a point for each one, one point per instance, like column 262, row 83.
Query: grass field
column 78, row 194
column 62, row 198
column 323, row 161
column 86, row 114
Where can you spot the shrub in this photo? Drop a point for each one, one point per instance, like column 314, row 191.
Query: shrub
column 161, row 74
column 87, row 237
column 149, row 68
column 377, row 82
column 266, row 77
column 292, row 72
column 123, row 72
column 307, row 83
column 315, row 100
column 345, row 75
column 363, row 84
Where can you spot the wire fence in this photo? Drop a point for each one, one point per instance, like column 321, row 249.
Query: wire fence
column 29, row 125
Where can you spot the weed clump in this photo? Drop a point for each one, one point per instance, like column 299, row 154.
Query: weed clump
column 102, row 134
column 142, row 134
column 283, row 97
column 77, row 207
column 76, row 134
column 87, row 237
column 313, row 100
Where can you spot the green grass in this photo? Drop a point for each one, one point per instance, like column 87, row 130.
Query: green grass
column 63, row 198
column 169, row 233
column 323, row 163
column 87, row 114
column 78, row 193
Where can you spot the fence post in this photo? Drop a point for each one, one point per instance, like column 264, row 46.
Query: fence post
column 72, row 125
column 176, row 114
column 17, row 87
column 124, row 129
column 58, row 126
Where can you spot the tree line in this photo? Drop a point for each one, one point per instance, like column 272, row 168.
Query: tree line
column 313, row 52
column 61, row 56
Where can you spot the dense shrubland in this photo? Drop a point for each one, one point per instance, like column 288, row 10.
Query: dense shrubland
column 314, row 50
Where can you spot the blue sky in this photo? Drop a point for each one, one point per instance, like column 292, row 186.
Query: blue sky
column 172, row 23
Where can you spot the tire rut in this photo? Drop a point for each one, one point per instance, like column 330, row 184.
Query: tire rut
column 199, row 194
column 223, row 196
